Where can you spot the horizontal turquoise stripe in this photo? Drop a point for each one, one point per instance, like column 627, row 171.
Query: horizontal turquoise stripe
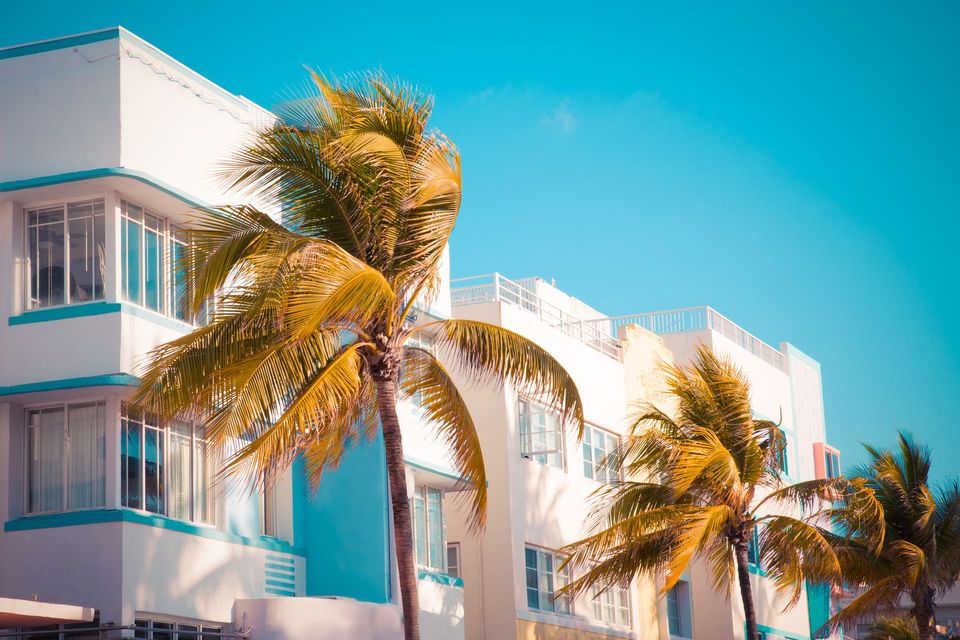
column 278, row 559
column 59, row 43
column 280, row 583
column 104, row 172
column 111, row 379
column 442, row 578
column 420, row 464
column 279, row 567
column 277, row 574
column 757, row 571
column 69, row 311
column 97, row 516
column 279, row 592
column 64, row 312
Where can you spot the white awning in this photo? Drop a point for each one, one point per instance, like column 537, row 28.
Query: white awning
column 31, row 613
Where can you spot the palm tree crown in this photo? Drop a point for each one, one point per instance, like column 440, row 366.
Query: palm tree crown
column 310, row 341
column 919, row 557
column 703, row 481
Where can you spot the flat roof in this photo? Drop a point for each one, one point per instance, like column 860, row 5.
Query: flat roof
column 33, row 613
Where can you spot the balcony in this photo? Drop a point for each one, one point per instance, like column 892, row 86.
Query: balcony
column 495, row 288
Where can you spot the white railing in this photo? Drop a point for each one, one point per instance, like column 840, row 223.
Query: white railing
column 697, row 319
column 495, row 288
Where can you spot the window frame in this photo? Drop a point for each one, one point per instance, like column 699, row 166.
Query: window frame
column 614, row 594
column 65, row 460
column 612, row 475
column 831, row 462
column 197, row 444
column 542, row 457
column 455, row 547
column 557, row 577
column 683, row 601
column 423, row 491
column 64, row 203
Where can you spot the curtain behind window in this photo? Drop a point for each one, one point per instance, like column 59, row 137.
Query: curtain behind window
column 87, row 455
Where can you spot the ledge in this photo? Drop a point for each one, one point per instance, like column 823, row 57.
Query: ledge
column 79, row 310
column 97, row 516
column 438, row 577
column 110, row 379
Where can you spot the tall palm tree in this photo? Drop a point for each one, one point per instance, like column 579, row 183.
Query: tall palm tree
column 919, row 558
column 310, row 339
column 698, row 485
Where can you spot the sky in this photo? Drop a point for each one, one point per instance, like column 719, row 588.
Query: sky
column 794, row 165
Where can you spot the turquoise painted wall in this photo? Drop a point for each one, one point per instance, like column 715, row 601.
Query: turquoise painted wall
column 818, row 607
column 344, row 526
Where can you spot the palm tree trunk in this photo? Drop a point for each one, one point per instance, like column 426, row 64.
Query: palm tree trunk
column 746, row 591
column 402, row 526
column 923, row 614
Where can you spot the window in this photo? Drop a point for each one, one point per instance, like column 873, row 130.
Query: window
column 152, row 253
column 831, row 465
column 428, row 530
column 453, row 559
column 165, row 469
column 753, row 548
column 268, row 511
column 157, row 630
column 598, row 445
column 611, row 606
column 541, row 434
column 679, row 619
column 420, row 340
column 783, row 458
column 65, row 254
column 544, row 579
column 72, row 631
column 66, row 450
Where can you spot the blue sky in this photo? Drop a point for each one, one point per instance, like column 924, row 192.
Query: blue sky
column 794, row 167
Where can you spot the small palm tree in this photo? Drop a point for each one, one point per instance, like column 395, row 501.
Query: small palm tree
column 919, row 557
column 899, row 628
column 715, row 475
column 310, row 341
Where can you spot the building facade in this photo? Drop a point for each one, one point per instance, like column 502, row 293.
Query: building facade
column 108, row 146
column 541, row 478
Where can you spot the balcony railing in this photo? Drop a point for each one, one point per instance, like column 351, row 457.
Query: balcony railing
column 602, row 333
column 697, row 319
column 495, row 288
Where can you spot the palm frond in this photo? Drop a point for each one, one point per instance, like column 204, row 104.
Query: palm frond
column 492, row 354
column 446, row 409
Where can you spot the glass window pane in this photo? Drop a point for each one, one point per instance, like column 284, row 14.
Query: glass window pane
column 420, row 525
column 205, row 466
column 47, row 259
column 87, row 455
column 46, row 453
column 153, row 467
column 153, row 274
column 435, row 528
column 178, row 469
column 132, row 257
column 131, row 462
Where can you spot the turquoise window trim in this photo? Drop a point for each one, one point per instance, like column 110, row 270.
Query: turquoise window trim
column 155, row 317
column 425, row 466
column 110, row 379
column 97, row 516
column 59, row 43
column 757, row 571
column 105, row 172
column 279, row 592
column 440, row 578
column 65, row 312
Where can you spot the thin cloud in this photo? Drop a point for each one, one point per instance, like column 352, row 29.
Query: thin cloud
column 561, row 118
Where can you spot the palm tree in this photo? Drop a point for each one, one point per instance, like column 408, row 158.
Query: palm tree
column 310, row 339
column 713, row 477
column 899, row 628
column 920, row 553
